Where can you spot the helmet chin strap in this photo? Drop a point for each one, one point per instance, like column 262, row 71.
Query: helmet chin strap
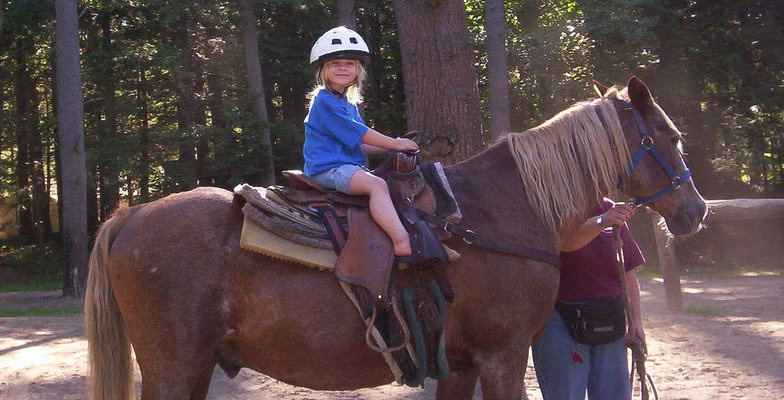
column 336, row 92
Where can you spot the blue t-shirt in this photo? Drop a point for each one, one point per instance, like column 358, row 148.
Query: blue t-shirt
column 333, row 133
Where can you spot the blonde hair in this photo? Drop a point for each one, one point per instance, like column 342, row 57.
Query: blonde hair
column 580, row 152
column 353, row 93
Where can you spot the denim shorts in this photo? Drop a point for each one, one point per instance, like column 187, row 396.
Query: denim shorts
column 338, row 178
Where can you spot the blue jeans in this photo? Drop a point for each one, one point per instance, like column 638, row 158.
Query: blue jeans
column 565, row 369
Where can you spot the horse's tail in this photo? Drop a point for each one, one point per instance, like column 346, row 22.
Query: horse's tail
column 111, row 366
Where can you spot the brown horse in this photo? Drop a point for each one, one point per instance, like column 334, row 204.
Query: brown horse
column 169, row 278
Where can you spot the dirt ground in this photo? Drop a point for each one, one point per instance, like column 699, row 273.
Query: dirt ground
column 730, row 345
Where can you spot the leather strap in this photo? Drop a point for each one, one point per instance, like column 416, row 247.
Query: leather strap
column 334, row 230
column 471, row 237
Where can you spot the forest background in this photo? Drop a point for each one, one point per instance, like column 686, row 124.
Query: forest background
column 168, row 103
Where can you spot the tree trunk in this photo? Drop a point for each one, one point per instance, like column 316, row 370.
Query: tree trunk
column 93, row 205
column 676, row 76
column 109, row 170
column 203, row 145
column 2, row 77
column 144, row 138
column 347, row 13
column 256, row 88
column 70, row 117
column 23, row 140
column 497, row 69
column 42, row 227
column 218, row 124
column 668, row 262
column 185, row 169
column 442, row 99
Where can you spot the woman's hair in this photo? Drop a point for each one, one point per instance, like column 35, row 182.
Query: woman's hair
column 353, row 92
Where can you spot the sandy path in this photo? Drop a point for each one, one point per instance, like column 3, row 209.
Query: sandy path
column 732, row 348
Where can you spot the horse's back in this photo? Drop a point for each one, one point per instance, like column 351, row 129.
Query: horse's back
column 179, row 236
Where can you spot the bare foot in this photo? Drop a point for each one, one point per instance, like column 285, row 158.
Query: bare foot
column 402, row 247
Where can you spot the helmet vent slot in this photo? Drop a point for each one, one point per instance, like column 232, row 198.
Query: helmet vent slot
column 336, row 41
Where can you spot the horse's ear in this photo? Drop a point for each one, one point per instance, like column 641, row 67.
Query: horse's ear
column 600, row 89
column 639, row 94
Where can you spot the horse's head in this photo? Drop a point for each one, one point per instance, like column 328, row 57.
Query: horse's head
column 658, row 176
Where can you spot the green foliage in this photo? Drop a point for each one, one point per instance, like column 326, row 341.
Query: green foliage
column 166, row 102
column 42, row 312
column 715, row 66
column 33, row 265
column 23, row 18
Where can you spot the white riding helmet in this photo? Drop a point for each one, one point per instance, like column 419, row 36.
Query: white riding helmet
column 339, row 42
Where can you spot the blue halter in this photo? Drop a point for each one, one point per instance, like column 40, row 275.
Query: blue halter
column 646, row 145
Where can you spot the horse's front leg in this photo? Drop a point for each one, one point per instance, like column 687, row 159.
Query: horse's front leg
column 460, row 385
column 502, row 377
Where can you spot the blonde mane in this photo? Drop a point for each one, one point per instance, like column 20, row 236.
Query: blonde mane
column 569, row 158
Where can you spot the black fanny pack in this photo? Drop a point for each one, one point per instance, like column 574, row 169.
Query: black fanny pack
column 596, row 321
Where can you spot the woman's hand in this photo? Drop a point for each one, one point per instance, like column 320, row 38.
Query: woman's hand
column 638, row 336
column 617, row 215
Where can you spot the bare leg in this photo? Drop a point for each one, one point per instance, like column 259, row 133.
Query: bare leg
column 381, row 209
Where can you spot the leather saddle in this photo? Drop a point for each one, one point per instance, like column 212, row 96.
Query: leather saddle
column 365, row 252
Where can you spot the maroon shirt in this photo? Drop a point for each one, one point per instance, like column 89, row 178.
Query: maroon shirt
column 591, row 272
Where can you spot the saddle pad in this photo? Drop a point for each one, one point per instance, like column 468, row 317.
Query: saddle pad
column 255, row 238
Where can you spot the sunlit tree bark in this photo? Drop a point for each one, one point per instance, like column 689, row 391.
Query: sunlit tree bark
column 497, row 71
column 442, row 98
column 347, row 13
column 70, row 117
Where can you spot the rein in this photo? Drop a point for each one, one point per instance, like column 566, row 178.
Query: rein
column 647, row 146
column 638, row 352
column 470, row 237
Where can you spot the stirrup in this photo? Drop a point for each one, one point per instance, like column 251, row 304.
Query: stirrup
column 400, row 320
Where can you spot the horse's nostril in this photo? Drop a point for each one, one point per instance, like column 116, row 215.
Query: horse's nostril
column 695, row 215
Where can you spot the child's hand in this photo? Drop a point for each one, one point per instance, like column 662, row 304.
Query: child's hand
column 403, row 144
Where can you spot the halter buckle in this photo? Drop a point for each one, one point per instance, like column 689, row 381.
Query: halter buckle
column 647, row 142
column 469, row 233
column 676, row 183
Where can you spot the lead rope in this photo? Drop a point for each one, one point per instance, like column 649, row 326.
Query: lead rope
column 638, row 353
